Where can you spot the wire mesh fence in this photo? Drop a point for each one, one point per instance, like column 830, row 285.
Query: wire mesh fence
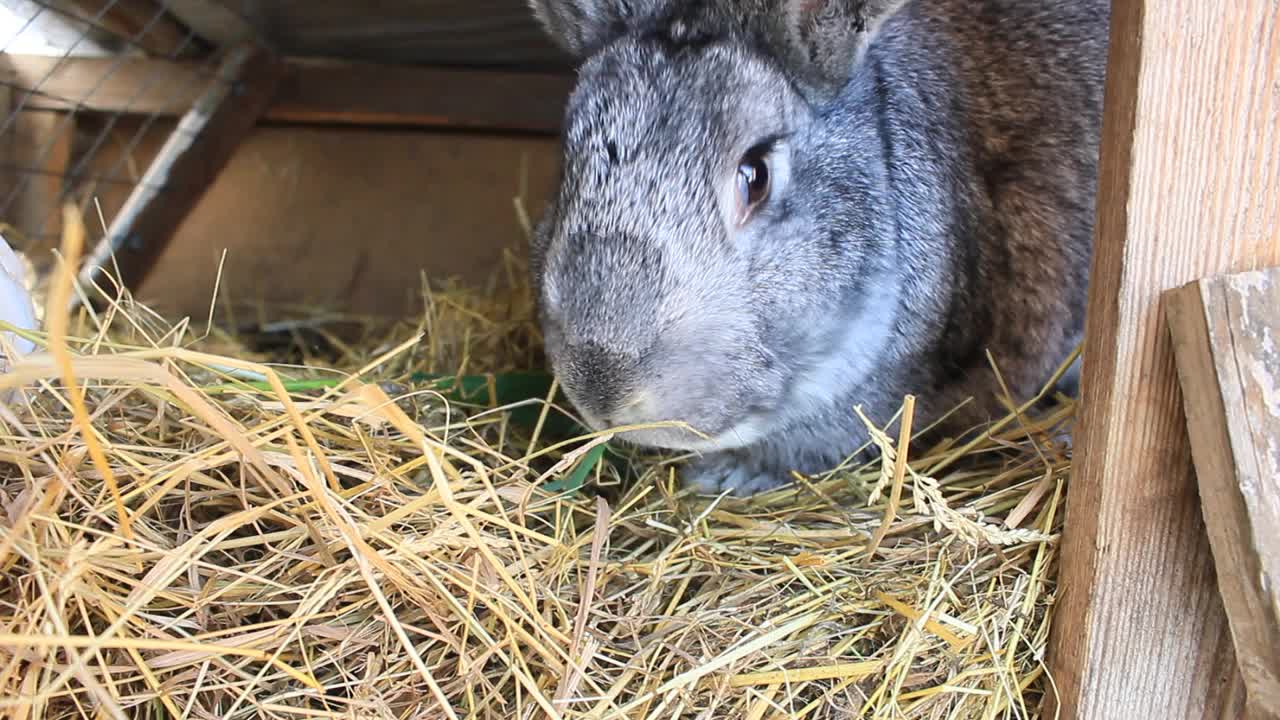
column 89, row 92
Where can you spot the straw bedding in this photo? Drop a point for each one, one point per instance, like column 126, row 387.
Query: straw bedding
column 203, row 532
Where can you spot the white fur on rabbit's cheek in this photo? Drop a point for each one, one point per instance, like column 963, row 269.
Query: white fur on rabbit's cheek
column 747, row 432
column 852, row 362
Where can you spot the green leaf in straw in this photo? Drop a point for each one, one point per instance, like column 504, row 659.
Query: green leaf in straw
column 579, row 475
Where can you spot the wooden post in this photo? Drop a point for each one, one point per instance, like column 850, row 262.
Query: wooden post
column 1190, row 186
column 35, row 152
column 196, row 152
column 1226, row 337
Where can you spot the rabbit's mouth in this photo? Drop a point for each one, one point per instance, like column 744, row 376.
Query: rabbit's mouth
column 687, row 438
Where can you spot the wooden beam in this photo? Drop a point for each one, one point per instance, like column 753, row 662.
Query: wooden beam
column 1189, row 186
column 33, row 176
column 213, row 21
column 309, row 92
column 363, row 94
column 57, row 28
column 1226, row 338
column 141, row 24
column 35, row 154
column 180, row 174
column 131, row 85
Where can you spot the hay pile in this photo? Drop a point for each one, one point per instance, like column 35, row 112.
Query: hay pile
column 353, row 536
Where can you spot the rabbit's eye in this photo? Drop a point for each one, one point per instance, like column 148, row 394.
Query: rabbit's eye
column 752, row 182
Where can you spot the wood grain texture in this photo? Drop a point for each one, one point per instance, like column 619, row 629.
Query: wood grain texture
column 188, row 163
column 1226, row 337
column 351, row 219
column 1189, row 186
column 60, row 30
column 36, row 155
column 131, row 85
column 340, row 218
column 215, row 22
column 141, row 25
column 364, row 94
column 310, row 92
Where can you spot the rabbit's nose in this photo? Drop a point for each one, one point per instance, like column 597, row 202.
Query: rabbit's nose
column 599, row 380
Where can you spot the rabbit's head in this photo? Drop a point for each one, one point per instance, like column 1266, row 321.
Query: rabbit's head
column 715, row 228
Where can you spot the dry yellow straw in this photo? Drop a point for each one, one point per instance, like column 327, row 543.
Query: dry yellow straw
column 854, row 671
column 57, row 317
column 198, row 648
column 899, row 476
column 344, row 540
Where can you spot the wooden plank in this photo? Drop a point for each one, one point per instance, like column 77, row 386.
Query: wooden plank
column 213, row 21
column 139, row 24
column 35, row 152
column 363, row 94
column 59, row 30
column 296, row 228
column 309, row 92
column 1226, row 338
column 1189, row 186
column 180, row 174
column 133, row 85
column 34, row 175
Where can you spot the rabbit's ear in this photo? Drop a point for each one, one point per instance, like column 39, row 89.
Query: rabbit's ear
column 582, row 26
column 822, row 41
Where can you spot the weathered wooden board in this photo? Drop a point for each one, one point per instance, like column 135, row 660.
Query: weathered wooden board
column 1226, row 337
column 309, row 92
column 1190, row 187
column 35, row 155
column 346, row 219
column 140, row 25
column 38, row 24
column 133, row 85
column 215, row 21
column 187, row 164
column 364, row 94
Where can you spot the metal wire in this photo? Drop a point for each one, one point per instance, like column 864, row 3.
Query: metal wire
column 22, row 104
column 41, row 172
column 150, row 118
column 95, row 21
column 85, row 170
column 22, row 30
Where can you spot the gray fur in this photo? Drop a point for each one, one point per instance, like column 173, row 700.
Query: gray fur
column 933, row 199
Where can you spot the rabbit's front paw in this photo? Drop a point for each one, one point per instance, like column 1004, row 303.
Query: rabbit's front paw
column 717, row 473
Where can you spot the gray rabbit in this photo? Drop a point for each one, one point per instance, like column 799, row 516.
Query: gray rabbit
column 771, row 211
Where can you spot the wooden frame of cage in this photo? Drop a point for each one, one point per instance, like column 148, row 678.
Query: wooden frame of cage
column 1190, row 189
